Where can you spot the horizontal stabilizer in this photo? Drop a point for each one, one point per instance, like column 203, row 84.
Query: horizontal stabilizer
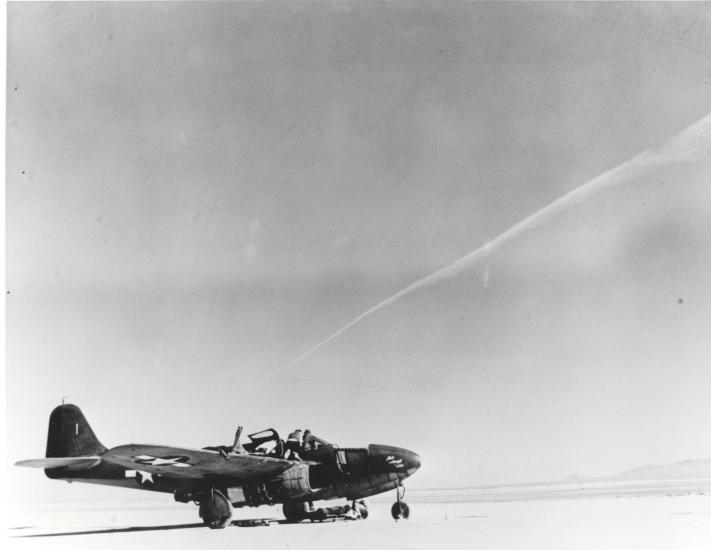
column 71, row 463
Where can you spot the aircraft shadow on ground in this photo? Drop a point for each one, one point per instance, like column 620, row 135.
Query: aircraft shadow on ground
column 236, row 523
column 117, row 530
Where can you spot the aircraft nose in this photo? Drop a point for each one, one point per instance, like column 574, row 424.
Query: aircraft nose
column 415, row 461
column 387, row 459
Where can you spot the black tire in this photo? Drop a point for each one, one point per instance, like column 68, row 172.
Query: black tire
column 218, row 524
column 295, row 511
column 216, row 510
column 400, row 510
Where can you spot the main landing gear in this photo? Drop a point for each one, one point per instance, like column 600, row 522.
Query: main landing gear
column 400, row 509
column 295, row 511
column 215, row 510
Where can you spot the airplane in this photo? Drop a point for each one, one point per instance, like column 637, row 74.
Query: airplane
column 220, row 478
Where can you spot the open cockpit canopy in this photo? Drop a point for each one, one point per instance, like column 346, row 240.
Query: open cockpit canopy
column 268, row 443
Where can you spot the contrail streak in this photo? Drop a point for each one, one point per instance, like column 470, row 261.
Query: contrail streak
column 690, row 145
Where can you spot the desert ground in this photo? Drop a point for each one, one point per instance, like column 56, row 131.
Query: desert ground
column 641, row 515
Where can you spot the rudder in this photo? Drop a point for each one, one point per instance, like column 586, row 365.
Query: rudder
column 70, row 435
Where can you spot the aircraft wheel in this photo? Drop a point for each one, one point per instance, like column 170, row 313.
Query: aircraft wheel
column 217, row 524
column 400, row 510
column 295, row 511
column 216, row 511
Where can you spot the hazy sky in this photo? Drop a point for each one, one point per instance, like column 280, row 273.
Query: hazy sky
column 197, row 193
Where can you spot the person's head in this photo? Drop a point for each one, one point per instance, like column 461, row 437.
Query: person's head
column 307, row 432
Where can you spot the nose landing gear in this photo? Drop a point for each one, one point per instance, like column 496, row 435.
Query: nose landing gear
column 400, row 510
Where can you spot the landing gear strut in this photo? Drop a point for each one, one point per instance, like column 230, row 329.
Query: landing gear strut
column 400, row 509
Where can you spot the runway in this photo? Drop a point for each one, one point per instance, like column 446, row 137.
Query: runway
column 497, row 518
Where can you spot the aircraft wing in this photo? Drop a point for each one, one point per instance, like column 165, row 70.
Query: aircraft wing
column 194, row 464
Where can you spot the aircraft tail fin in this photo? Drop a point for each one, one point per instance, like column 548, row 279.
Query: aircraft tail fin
column 70, row 434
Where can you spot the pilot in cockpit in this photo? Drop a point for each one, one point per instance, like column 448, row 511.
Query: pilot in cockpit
column 308, row 440
column 293, row 446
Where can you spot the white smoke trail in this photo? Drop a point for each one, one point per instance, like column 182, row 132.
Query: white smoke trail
column 690, row 145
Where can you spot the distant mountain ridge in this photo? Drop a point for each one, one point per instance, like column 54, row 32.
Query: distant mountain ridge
column 683, row 471
column 686, row 469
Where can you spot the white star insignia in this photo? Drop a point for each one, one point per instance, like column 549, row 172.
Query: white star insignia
column 176, row 461
column 146, row 478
